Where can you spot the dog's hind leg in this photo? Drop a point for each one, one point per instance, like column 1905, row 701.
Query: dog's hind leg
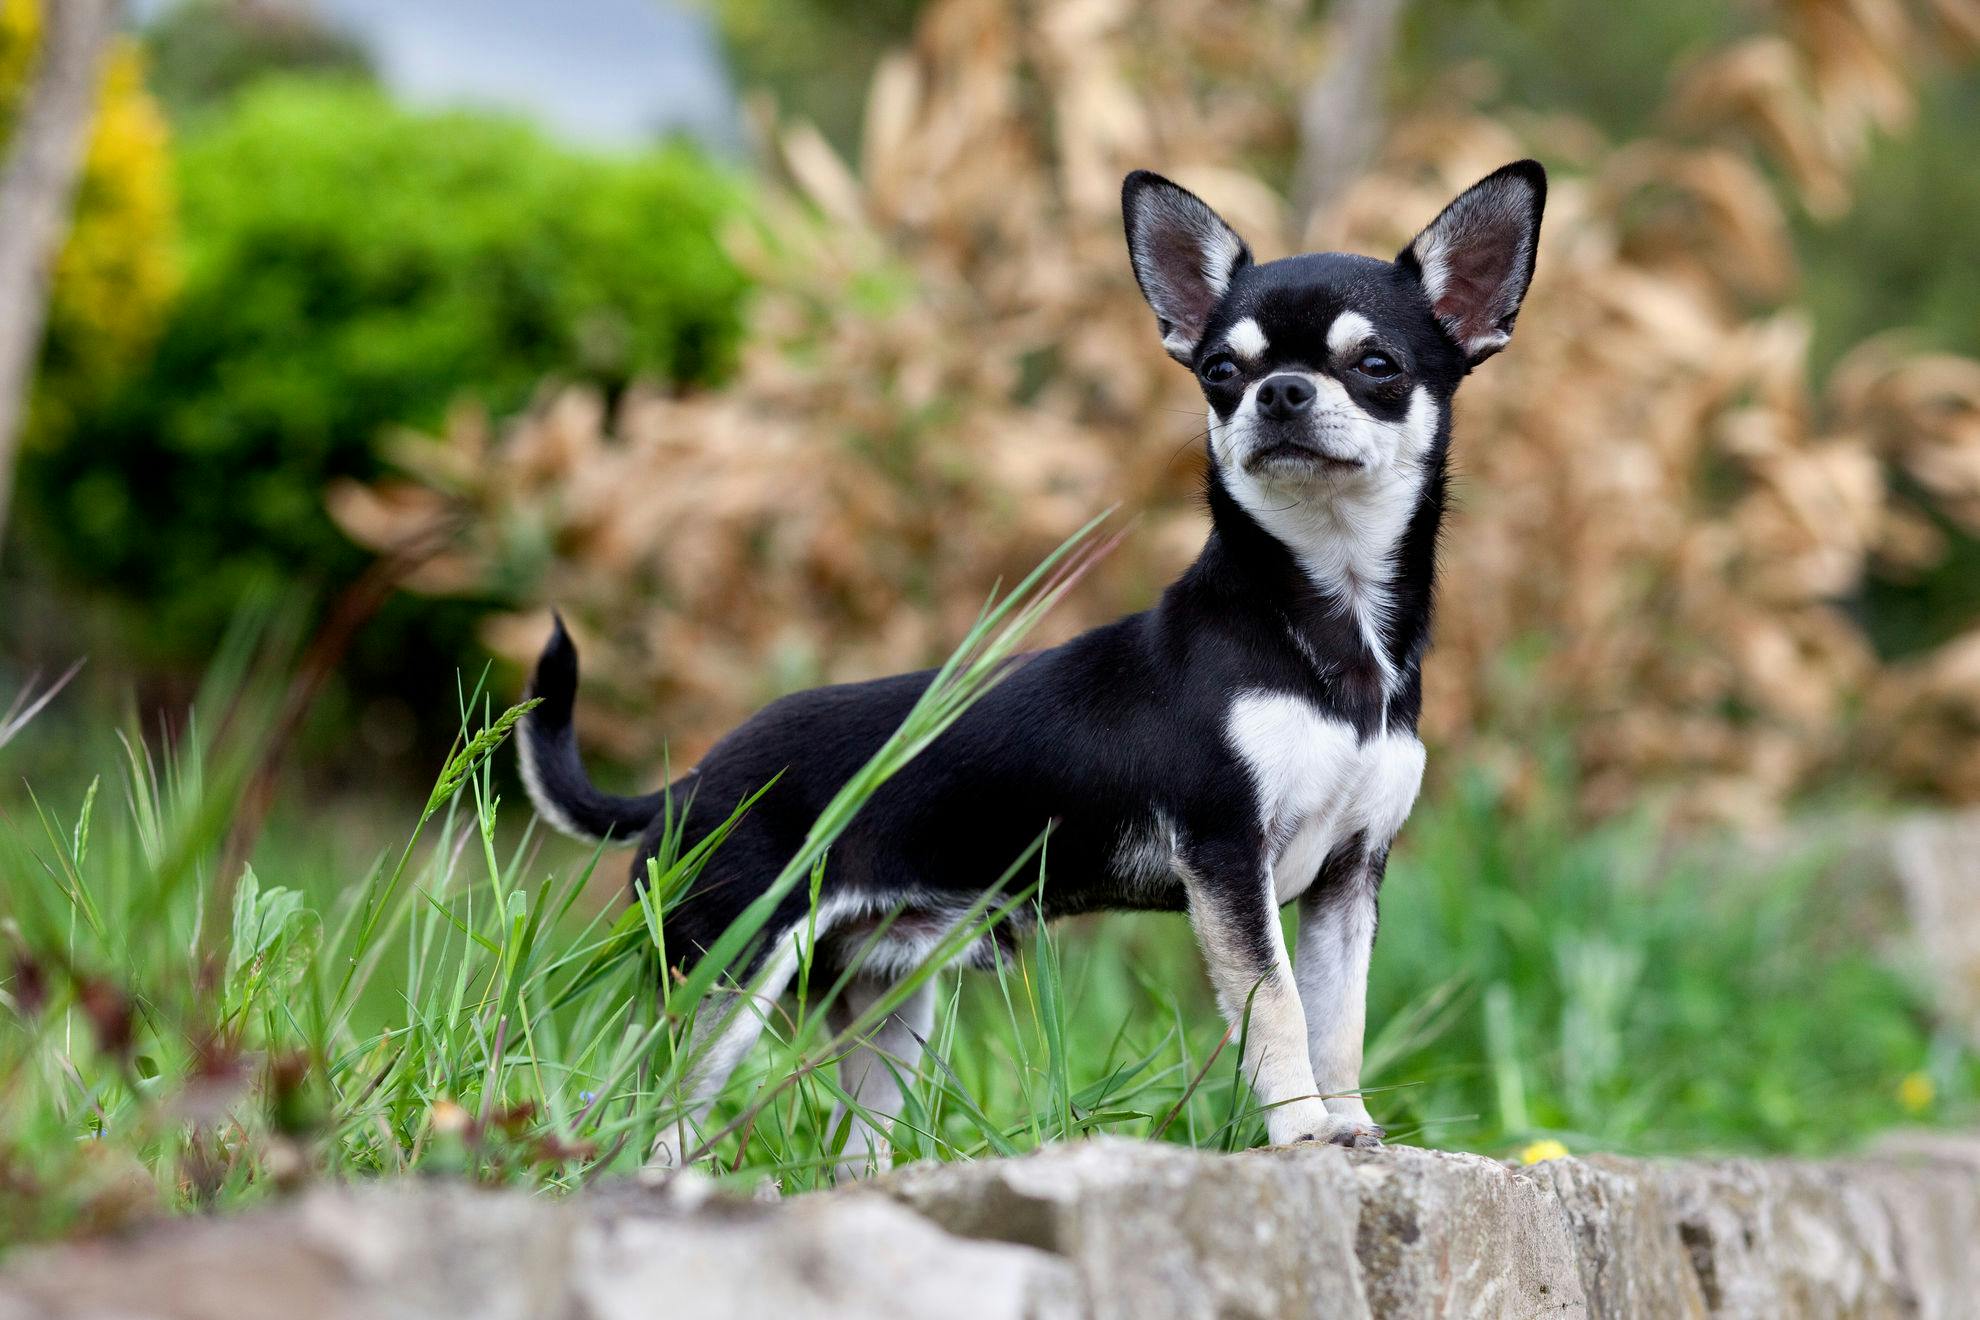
column 868, row 1071
column 726, row 1024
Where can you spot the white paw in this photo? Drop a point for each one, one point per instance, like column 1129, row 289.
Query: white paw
column 1355, row 1130
column 1302, row 1120
column 1312, row 1121
column 866, row 1154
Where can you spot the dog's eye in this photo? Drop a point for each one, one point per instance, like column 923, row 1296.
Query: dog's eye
column 1220, row 369
column 1377, row 366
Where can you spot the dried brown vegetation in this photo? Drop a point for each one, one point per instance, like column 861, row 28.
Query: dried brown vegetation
column 1660, row 517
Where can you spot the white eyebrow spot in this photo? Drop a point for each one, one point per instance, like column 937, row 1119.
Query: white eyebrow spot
column 1246, row 339
column 1349, row 330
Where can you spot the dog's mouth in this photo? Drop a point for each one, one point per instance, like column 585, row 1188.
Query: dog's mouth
column 1298, row 453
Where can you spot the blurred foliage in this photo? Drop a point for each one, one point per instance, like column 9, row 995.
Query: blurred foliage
column 204, row 52
column 1906, row 253
column 1608, row 65
column 1613, row 979
column 1887, row 263
column 1900, row 257
column 117, row 272
column 20, row 33
column 351, row 265
column 814, row 55
column 1904, row 256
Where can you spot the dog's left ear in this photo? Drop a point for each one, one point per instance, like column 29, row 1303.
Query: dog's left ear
column 1184, row 256
column 1476, row 258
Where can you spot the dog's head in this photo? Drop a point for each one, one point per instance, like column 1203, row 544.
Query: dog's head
column 1329, row 372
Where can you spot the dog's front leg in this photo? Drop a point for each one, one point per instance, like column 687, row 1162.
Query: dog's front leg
column 1237, row 923
column 1336, row 938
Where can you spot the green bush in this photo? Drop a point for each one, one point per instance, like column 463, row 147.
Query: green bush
column 351, row 266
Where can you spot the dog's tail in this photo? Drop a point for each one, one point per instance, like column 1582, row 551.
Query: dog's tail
column 551, row 768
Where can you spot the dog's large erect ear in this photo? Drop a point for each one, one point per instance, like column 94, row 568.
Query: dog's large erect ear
column 1476, row 259
column 1184, row 256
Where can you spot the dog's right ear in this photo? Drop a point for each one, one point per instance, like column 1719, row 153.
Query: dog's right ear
column 1184, row 256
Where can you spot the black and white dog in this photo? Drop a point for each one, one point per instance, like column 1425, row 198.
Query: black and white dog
column 1248, row 743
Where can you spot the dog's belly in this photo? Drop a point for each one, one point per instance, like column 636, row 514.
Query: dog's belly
column 892, row 938
column 1317, row 785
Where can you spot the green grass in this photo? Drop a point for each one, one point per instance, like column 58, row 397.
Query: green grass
column 171, row 1040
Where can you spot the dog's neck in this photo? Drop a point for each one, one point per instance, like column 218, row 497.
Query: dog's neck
column 1348, row 584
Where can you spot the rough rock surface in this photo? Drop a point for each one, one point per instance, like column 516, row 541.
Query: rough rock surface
column 423, row 1251
column 1102, row 1228
column 1405, row 1232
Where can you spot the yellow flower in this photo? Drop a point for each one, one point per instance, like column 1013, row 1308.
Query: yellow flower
column 1544, row 1149
column 1916, row 1093
column 117, row 272
column 449, row 1119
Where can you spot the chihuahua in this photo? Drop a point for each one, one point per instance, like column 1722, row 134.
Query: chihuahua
column 1248, row 743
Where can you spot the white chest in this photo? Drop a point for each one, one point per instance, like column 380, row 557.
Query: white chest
column 1316, row 785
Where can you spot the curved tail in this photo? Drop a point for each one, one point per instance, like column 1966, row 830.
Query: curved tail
column 551, row 768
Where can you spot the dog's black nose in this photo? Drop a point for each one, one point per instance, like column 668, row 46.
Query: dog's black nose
column 1284, row 397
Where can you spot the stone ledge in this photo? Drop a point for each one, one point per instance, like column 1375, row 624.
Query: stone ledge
column 1406, row 1232
column 425, row 1250
column 1103, row 1228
